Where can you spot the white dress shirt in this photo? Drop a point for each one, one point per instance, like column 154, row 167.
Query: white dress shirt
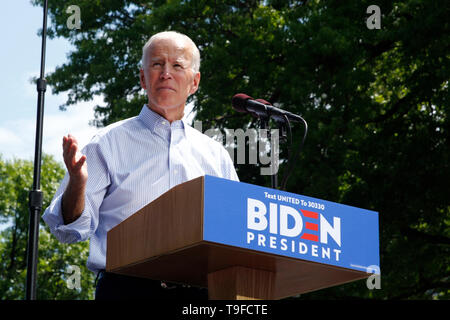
column 130, row 163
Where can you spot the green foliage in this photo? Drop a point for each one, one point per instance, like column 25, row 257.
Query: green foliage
column 376, row 102
column 16, row 179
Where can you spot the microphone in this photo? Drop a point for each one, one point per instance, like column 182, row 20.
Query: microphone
column 267, row 103
column 261, row 108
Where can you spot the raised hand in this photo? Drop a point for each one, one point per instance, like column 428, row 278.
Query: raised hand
column 73, row 198
column 74, row 160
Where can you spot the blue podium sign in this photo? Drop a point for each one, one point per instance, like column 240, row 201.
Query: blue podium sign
column 287, row 224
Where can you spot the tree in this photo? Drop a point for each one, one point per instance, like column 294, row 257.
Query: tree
column 376, row 102
column 16, row 179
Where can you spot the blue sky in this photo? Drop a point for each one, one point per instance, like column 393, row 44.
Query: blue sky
column 20, row 61
column 20, row 57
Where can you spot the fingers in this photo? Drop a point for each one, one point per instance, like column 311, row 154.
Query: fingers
column 80, row 163
column 68, row 142
column 70, row 137
column 70, row 151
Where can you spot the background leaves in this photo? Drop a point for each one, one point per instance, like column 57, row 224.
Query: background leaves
column 16, row 178
column 376, row 102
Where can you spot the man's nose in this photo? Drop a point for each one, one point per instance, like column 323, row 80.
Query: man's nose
column 166, row 72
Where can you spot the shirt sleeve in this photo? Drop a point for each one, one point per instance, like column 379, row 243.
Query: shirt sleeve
column 96, row 188
column 229, row 172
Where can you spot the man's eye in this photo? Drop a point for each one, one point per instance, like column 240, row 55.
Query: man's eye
column 156, row 64
column 177, row 65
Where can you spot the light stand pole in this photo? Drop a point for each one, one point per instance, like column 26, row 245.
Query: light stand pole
column 265, row 125
column 36, row 195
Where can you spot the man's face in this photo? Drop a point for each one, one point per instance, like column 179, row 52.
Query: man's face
column 167, row 76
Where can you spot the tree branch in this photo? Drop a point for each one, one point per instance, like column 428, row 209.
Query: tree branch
column 379, row 48
column 429, row 238
column 399, row 105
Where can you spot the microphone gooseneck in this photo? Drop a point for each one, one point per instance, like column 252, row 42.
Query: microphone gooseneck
column 244, row 103
column 263, row 110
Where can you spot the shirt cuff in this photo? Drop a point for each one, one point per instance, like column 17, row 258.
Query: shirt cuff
column 75, row 231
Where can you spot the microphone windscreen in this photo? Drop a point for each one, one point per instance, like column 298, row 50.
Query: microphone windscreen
column 239, row 101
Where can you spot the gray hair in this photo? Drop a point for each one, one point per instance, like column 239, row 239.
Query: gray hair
column 173, row 34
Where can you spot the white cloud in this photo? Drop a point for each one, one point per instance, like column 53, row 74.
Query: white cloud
column 74, row 121
column 17, row 137
column 8, row 137
column 28, row 86
column 13, row 141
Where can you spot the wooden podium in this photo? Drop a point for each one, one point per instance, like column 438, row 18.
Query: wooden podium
column 167, row 240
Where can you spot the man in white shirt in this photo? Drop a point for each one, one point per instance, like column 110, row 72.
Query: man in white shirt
column 131, row 162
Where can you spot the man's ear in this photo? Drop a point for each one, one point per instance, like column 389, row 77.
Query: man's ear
column 195, row 83
column 142, row 79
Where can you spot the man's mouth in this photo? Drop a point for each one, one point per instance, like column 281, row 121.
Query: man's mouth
column 166, row 88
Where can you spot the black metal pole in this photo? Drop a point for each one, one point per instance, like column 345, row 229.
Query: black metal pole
column 273, row 176
column 36, row 195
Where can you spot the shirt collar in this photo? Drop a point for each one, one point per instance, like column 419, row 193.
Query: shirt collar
column 156, row 123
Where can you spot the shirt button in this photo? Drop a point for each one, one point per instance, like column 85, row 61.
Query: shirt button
column 175, row 171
